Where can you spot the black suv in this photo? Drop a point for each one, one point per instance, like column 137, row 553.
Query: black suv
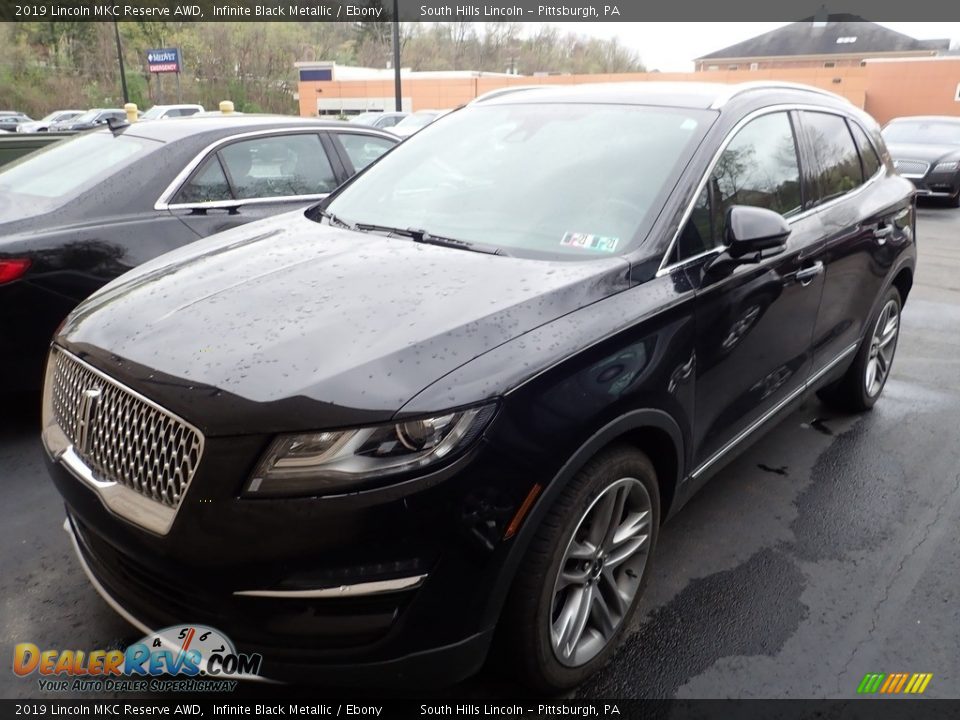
column 450, row 406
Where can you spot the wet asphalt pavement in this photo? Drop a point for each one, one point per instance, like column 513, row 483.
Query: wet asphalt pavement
column 829, row 550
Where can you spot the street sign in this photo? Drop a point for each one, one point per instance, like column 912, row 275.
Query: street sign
column 164, row 60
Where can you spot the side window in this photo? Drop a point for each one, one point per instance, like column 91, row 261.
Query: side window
column 758, row 167
column 868, row 155
column 206, row 185
column 836, row 163
column 278, row 166
column 363, row 149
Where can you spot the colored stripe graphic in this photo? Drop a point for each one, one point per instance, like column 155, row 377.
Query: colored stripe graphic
column 894, row 684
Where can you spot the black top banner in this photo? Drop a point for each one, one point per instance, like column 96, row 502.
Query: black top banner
column 187, row 706
column 465, row 10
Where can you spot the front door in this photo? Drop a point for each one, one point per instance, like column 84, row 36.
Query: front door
column 754, row 320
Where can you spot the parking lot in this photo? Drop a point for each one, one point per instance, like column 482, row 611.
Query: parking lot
column 827, row 551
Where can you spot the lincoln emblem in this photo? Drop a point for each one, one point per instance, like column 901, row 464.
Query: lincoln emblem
column 86, row 412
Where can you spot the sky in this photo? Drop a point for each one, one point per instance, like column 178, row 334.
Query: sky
column 671, row 47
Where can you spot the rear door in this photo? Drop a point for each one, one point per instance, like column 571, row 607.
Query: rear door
column 252, row 178
column 863, row 218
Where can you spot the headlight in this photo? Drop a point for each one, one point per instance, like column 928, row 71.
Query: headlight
column 343, row 460
column 947, row 166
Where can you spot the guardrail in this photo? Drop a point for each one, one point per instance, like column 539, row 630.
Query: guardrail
column 15, row 145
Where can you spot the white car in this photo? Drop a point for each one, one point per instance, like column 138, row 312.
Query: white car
column 160, row 112
column 44, row 123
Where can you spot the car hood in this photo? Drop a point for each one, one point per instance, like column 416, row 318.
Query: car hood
column 927, row 153
column 287, row 324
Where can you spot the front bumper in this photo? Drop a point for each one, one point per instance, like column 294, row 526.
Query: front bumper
column 938, row 185
column 386, row 589
column 440, row 665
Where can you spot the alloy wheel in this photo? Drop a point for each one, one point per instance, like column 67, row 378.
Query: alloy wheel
column 600, row 572
column 883, row 344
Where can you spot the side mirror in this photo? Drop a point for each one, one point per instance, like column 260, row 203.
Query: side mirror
column 751, row 230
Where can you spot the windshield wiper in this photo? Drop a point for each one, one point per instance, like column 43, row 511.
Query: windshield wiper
column 426, row 238
column 334, row 220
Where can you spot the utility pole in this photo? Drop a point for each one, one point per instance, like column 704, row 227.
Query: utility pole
column 123, row 75
column 397, row 91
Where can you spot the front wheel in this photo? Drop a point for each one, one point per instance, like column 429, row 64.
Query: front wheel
column 860, row 388
column 584, row 573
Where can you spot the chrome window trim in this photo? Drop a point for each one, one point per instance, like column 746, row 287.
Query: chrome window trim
column 163, row 202
column 122, row 501
column 665, row 269
column 376, row 587
column 712, row 460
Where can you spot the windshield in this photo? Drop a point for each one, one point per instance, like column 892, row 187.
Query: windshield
column 46, row 179
column 418, row 120
column 366, row 117
column 923, row 132
column 154, row 113
column 88, row 116
column 548, row 179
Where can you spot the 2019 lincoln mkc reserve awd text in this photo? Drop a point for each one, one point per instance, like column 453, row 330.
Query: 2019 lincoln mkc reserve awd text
column 450, row 406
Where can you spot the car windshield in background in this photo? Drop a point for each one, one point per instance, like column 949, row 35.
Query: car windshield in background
column 153, row 113
column 923, row 132
column 48, row 178
column 88, row 116
column 558, row 180
column 418, row 120
column 366, row 117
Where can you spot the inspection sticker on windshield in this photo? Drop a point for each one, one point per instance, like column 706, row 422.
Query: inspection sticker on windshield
column 599, row 243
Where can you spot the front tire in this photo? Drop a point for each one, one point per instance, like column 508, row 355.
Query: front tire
column 582, row 578
column 863, row 383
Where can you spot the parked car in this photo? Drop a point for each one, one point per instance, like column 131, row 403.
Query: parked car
column 42, row 125
column 416, row 122
column 10, row 120
column 381, row 120
column 450, row 405
column 926, row 150
column 88, row 120
column 89, row 208
column 161, row 112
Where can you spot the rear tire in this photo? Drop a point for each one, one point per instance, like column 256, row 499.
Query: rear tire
column 860, row 388
column 581, row 580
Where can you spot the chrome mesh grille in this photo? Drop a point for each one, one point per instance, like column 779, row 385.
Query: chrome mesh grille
column 122, row 438
column 911, row 167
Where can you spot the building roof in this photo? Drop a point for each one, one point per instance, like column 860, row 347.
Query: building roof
column 837, row 34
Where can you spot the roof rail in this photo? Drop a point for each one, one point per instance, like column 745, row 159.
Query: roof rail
column 509, row 90
column 740, row 88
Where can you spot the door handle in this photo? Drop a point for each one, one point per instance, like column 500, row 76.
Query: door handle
column 881, row 233
column 806, row 276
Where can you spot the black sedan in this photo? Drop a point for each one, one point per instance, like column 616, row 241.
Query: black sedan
column 87, row 209
column 926, row 150
column 449, row 407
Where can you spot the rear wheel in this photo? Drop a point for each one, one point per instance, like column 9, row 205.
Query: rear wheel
column 860, row 388
column 583, row 575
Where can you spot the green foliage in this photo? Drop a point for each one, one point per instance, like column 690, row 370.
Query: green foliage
column 50, row 65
